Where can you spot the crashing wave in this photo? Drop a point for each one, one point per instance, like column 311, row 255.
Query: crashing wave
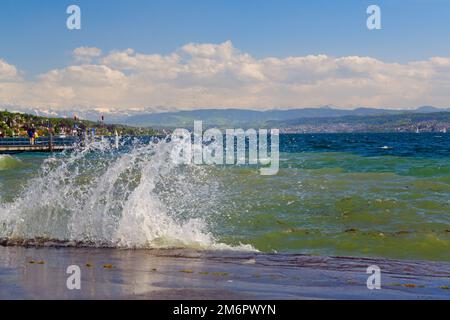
column 134, row 198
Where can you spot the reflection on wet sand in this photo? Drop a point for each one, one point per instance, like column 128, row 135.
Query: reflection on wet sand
column 40, row 273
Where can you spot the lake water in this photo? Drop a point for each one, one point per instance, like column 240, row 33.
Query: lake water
column 371, row 195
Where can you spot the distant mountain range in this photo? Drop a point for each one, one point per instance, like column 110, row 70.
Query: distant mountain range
column 401, row 122
column 245, row 118
column 236, row 118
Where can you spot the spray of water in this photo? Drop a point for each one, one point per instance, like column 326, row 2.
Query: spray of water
column 134, row 197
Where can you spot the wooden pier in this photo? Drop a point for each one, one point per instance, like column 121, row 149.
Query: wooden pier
column 46, row 144
column 32, row 148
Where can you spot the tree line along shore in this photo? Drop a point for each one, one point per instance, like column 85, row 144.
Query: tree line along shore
column 14, row 124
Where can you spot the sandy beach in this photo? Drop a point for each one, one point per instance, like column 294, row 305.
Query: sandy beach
column 40, row 273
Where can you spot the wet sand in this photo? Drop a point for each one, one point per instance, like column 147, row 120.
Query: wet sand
column 40, row 273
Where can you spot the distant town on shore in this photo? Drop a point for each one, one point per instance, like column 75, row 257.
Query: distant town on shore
column 15, row 124
column 300, row 120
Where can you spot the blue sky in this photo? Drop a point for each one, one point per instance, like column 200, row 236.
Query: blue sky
column 34, row 37
column 186, row 54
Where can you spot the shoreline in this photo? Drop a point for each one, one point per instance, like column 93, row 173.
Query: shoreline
column 106, row 273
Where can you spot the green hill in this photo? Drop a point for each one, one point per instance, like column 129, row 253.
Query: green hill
column 404, row 122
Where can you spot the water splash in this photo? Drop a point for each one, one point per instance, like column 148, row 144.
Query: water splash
column 133, row 198
column 8, row 162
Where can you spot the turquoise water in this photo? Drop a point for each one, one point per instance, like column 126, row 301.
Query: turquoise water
column 378, row 195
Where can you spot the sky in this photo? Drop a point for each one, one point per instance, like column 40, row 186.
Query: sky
column 187, row 54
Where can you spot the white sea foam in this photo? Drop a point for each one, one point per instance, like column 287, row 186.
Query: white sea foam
column 133, row 199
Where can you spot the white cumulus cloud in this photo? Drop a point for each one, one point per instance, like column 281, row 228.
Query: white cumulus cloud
column 220, row 75
column 86, row 54
column 8, row 72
